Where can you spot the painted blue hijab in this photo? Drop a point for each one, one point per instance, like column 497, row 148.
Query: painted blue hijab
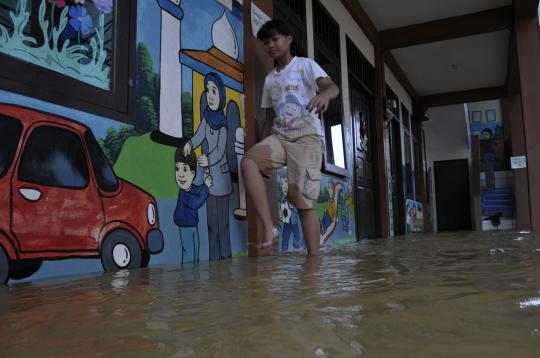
column 215, row 119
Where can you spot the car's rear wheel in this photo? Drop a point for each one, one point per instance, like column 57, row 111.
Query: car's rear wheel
column 4, row 266
column 121, row 250
column 20, row 269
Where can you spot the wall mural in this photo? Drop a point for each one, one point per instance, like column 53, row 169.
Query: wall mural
column 179, row 157
column 73, row 38
column 334, row 209
column 489, row 129
column 415, row 216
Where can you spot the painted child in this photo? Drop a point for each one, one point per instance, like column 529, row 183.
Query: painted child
column 292, row 134
column 190, row 198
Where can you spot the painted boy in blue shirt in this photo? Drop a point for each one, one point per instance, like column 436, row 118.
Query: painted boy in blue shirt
column 190, row 198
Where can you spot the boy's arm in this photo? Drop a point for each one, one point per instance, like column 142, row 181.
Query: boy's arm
column 327, row 91
column 268, row 122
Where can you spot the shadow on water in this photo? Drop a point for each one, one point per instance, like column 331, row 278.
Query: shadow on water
column 461, row 294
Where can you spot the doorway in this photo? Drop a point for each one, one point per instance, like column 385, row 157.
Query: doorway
column 364, row 163
column 452, row 195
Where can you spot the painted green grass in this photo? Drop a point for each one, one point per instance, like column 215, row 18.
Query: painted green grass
column 148, row 165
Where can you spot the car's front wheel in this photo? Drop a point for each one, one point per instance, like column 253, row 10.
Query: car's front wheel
column 121, row 250
column 4, row 266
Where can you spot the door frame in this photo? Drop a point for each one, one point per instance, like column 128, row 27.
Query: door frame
column 354, row 85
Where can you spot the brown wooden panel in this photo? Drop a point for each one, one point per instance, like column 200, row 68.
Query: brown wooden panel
column 459, row 97
column 446, row 29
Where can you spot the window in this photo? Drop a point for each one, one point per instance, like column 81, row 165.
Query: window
column 293, row 12
column 476, row 116
column 103, row 171
column 82, row 52
column 491, row 116
column 327, row 55
column 54, row 157
column 10, row 133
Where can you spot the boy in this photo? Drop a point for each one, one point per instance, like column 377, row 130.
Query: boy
column 190, row 198
column 292, row 134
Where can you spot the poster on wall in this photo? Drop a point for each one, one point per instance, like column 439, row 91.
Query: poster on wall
column 415, row 216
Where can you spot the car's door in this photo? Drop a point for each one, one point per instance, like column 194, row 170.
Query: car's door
column 55, row 204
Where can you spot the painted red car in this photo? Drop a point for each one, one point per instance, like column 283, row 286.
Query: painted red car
column 60, row 198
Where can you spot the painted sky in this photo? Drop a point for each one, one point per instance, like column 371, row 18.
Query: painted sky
column 196, row 13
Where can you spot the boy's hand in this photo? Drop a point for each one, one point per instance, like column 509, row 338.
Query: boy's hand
column 208, row 181
column 187, row 148
column 319, row 103
column 202, row 160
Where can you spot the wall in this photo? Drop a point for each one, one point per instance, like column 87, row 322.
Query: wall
column 447, row 138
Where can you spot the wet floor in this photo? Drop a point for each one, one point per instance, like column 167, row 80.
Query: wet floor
column 465, row 295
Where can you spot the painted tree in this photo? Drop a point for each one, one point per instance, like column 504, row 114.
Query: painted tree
column 147, row 92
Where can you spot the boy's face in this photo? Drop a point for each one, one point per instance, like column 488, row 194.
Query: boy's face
column 278, row 45
column 184, row 176
column 485, row 135
column 212, row 95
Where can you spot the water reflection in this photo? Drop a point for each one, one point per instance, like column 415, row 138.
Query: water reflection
column 449, row 295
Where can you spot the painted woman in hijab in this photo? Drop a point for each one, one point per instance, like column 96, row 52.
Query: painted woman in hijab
column 213, row 160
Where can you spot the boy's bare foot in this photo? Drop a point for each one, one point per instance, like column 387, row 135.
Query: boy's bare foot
column 269, row 237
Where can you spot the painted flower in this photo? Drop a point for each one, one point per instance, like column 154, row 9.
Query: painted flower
column 58, row 3
column 80, row 20
column 104, row 5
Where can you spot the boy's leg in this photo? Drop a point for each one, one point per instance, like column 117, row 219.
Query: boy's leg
column 304, row 158
column 256, row 189
column 264, row 157
column 311, row 230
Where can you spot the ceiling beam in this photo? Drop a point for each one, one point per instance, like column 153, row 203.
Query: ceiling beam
column 449, row 28
column 460, row 97
column 364, row 22
column 529, row 7
column 395, row 68
column 362, row 19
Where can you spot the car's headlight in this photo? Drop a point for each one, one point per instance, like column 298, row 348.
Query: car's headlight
column 151, row 212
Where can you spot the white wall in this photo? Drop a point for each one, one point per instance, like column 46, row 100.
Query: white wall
column 447, row 138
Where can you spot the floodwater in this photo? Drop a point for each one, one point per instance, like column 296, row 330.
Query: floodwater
column 450, row 295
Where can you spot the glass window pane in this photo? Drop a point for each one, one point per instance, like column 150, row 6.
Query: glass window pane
column 72, row 38
column 54, row 157
column 103, row 171
column 337, row 145
column 491, row 116
column 476, row 116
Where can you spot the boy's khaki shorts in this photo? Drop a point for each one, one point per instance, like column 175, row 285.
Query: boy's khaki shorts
column 303, row 160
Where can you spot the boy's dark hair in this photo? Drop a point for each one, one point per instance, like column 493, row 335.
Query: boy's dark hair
column 190, row 159
column 278, row 27
column 272, row 28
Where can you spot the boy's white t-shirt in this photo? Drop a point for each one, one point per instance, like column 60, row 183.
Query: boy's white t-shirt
column 288, row 92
